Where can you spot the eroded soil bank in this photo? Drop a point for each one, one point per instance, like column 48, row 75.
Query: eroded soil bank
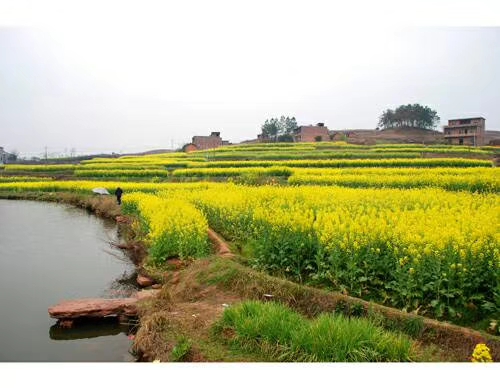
column 194, row 298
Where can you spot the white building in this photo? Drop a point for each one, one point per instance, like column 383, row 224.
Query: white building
column 3, row 156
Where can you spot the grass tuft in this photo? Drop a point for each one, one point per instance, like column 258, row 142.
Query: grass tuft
column 181, row 350
column 283, row 334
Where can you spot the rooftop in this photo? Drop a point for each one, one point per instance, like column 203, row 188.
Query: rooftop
column 468, row 118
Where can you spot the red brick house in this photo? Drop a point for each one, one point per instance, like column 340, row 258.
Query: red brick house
column 208, row 142
column 311, row 133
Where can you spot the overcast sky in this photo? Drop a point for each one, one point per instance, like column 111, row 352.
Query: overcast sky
column 130, row 79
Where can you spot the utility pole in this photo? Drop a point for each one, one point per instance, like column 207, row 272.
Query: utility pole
column 46, row 156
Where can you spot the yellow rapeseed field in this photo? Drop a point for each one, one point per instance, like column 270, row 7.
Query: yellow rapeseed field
column 173, row 227
column 393, row 235
column 425, row 249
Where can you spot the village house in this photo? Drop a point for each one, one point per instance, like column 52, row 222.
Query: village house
column 205, row 142
column 4, row 156
column 311, row 133
column 470, row 131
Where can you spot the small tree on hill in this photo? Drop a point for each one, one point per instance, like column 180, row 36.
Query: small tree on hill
column 280, row 130
column 409, row 116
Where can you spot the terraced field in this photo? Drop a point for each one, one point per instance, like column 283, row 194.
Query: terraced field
column 385, row 223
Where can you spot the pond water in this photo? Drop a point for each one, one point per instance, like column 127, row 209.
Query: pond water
column 49, row 253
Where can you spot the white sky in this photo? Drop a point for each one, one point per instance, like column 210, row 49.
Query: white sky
column 125, row 77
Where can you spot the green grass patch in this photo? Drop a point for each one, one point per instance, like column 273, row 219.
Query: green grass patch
column 231, row 276
column 287, row 336
column 181, row 350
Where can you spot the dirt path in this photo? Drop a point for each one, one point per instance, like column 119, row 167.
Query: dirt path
column 220, row 246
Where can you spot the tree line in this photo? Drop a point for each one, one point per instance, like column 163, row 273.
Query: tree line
column 411, row 115
column 280, row 130
column 404, row 116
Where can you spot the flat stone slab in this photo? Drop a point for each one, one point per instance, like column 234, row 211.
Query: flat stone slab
column 93, row 308
column 98, row 308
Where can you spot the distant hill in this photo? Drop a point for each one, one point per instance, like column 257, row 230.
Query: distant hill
column 401, row 135
column 392, row 135
column 78, row 159
column 65, row 160
column 151, row 152
column 492, row 136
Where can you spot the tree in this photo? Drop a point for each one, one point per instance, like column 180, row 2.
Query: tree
column 270, row 129
column 289, row 124
column 280, row 130
column 286, row 138
column 410, row 115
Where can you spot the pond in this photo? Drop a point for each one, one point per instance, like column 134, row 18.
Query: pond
column 49, row 253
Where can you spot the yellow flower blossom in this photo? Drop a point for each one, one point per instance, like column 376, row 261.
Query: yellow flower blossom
column 481, row 354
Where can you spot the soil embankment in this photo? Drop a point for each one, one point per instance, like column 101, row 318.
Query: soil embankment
column 193, row 298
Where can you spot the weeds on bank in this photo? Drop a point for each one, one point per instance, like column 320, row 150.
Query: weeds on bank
column 181, row 349
column 287, row 336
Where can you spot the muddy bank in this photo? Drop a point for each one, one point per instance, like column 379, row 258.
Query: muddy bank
column 193, row 298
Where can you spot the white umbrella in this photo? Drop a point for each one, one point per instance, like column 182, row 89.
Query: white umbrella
column 100, row 190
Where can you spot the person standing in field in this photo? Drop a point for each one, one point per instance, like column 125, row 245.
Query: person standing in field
column 118, row 193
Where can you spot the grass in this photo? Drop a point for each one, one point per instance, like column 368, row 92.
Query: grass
column 181, row 350
column 204, row 286
column 456, row 343
column 285, row 335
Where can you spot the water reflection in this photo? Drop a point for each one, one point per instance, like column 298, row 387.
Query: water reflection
column 122, row 287
column 89, row 329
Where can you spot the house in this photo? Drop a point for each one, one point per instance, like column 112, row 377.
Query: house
column 468, row 131
column 4, row 156
column 311, row 133
column 207, row 142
